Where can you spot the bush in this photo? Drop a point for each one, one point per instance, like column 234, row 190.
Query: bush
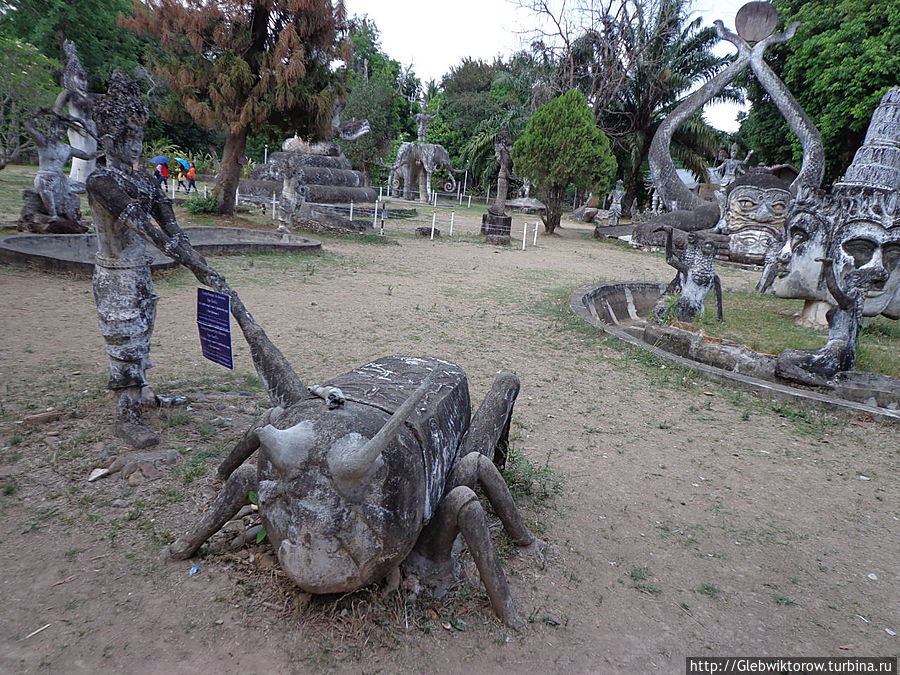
column 202, row 204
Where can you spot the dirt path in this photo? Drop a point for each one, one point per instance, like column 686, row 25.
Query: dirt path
column 690, row 519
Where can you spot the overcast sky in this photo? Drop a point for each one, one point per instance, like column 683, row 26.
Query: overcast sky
column 435, row 36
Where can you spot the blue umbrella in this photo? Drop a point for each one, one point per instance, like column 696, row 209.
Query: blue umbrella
column 183, row 162
column 159, row 159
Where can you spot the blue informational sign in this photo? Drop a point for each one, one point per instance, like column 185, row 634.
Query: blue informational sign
column 214, row 324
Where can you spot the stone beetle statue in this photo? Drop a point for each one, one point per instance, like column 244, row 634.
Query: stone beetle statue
column 378, row 476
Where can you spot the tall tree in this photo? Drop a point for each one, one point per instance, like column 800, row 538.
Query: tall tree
column 562, row 146
column 520, row 87
column 838, row 65
column 464, row 101
column 26, row 83
column 236, row 65
column 91, row 24
column 378, row 89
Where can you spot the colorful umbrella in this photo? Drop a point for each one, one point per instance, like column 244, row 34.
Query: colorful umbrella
column 159, row 159
column 183, row 162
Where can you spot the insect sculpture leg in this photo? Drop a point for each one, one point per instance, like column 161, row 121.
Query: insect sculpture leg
column 477, row 469
column 245, row 447
column 233, row 495
column 488, row 432
column 460, row 511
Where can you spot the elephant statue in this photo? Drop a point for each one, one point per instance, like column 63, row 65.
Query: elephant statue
column 417, row 162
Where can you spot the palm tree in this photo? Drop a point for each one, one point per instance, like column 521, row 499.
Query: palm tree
column 635, row 67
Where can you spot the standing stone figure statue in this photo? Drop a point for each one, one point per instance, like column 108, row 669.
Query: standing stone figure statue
column 503, row 152
column 422, row 120
column 75, row 94
column 615, row 206
column 123, row 200
column 732, row 167
column 58, row 194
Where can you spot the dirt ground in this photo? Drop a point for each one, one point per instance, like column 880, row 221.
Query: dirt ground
column 689, row 519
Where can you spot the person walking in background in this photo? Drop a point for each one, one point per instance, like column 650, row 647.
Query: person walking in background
column 191, row 175
column 164, row 176
column 179, row 174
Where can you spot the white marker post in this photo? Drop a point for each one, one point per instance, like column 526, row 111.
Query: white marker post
column 379, row 193
column 534, row 243
column 173, row 188
column 204, row 192
column 524, row 235
column 274, row 217
column 452, row 213
column 470, row 202
column 375, row 216
column 351, row 209
column 237, row 196
column 433, row 217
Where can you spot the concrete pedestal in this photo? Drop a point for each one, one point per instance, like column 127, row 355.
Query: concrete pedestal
column 492, row 224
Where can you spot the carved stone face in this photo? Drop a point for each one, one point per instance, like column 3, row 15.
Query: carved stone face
column 754, row 218
column 334, row 536
column 866, row 256
column 128, row 145
column 805, row 242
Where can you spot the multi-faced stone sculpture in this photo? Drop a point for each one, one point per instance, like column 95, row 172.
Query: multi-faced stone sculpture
column 755, row 210
column 862, row 261
column 815, row 218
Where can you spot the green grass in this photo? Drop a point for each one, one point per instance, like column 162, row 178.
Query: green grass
column 709, row 590
column 529, row 481
column 766, row 324
column 640, row 576
column 13, row 179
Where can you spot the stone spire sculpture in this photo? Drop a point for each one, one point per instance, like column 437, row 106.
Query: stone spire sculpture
column 862, row 265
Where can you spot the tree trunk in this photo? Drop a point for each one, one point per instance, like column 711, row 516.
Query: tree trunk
column 230, row 170
column 552, row 197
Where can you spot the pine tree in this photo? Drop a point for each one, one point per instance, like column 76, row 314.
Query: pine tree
column 561, row 146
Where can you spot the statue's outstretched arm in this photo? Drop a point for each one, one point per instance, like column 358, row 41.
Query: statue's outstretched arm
column 844, row 300
column 671, row 258
column 36, row 135
column 87, row 156
column 61, row 100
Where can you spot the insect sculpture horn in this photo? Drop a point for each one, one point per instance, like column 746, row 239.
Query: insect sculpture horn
column 355, row 462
